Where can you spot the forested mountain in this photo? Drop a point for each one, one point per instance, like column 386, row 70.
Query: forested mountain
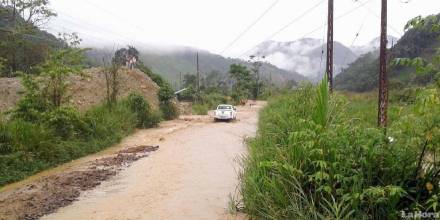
column 373, row 45
column 171, row 63
column 362, row 75
column 305, row 56
column 22, row 43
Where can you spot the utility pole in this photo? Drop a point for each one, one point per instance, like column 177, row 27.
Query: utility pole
column 198, row 73
column 329, row 64
column 180, row 80
column 270, row 83
column 14, row 65
column 258, row 82
column 257, row 64
column 383, row 78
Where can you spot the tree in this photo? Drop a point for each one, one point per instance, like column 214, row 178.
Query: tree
column 2, row 66
column 167, row 106
column 190, row 81
column 257, row 84
column 61, row 64
column 112, row 83
column 21, row 43
column 427, row 70
column 124, row 55
column 48, row 90
column 215, row 81
column 242, row 82
column 33, row 12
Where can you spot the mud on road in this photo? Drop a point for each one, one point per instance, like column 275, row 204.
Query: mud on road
column 52, row 192
column 185, row 169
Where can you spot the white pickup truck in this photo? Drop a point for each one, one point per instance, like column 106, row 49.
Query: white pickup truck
column 225, row 112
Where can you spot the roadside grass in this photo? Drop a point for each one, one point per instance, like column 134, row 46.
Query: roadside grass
column 363, row 106
column 29, row 147
column 200, row 109
column 318, row 156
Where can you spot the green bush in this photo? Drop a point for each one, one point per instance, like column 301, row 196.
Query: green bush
column 140, row 106
column 311, row 160
column 211, row 100
column 5, row 139
column 62, row 135
column 199, row 109
column 65, row 122
column 167, row 106
column 33, row 104
column 169, row 110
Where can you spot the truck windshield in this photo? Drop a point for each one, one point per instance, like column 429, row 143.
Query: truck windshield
column 223, row 107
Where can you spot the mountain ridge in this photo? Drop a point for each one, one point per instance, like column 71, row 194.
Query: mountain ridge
column 302, row 56
column 362, row 75
column 171, row 63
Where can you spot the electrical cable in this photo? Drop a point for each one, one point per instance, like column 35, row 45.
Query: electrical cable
column 250, row 26
column 294, row 20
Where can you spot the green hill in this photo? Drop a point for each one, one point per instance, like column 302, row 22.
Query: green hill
column 22, row 45
column 171, row 63
column 362, row 75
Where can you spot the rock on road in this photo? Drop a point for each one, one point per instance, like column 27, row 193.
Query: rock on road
column 191, row 176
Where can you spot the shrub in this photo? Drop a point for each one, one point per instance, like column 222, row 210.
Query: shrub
column 65, row 122
column 33, row 104
column 211, row 100
column 199, row 109
column 169, row 110
column 60, row 136
column 5, row 139
column 140, row 106
column 110, row 125
column 310, row 160
column 33, row 140
column 167, row 106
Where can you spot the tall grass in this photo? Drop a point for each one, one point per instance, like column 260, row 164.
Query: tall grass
column 313, row 160
column 64, row 134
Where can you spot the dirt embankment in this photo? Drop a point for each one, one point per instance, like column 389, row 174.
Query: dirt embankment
column 87, row 90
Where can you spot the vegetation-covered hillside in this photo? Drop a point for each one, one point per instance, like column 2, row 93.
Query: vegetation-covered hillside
column 22, row 43
column 170, row 64
column 362, row 75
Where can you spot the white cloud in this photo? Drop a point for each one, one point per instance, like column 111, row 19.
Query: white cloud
column 212, row 24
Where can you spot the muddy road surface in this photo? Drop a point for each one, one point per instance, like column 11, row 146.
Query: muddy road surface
column 185, row 169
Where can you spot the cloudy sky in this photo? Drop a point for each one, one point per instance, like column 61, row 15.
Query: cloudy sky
column 214, row 24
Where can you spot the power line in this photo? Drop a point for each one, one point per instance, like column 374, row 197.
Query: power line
column 322, row 46
column 379, row 17
column 296, row 19
column 355, row 38
column 250, row 26
column 64, row 29
column 74, row 20
column 337, row 18
column 122, row 19
column 125, row 20
column 92, row 28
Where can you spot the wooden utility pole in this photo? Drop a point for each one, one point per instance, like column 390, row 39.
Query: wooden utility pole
column 270, row 83
column 258, row 81
column 198, row 73
column 180, row 80
column 329, row 66
column 383, row 78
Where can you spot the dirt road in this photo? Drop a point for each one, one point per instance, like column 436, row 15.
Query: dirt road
column 190, row 176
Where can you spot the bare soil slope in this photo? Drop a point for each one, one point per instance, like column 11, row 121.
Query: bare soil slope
column 87, row 90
